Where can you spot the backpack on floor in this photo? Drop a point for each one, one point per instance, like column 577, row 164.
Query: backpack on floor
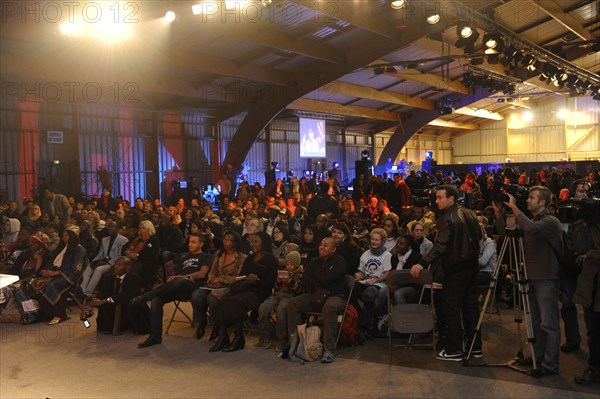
column 306, row 345
column 350, row 334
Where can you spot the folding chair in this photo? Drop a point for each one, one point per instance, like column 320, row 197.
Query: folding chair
column 314, row 316
column 168, row 271
column 178, row 309
column 411, row 318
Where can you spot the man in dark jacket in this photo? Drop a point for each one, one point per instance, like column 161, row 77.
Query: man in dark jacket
column 325, row 278
column 117, row 290
column 457, row 246
column 322, row 203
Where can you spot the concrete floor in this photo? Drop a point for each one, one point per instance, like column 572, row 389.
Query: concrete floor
column 68, row 361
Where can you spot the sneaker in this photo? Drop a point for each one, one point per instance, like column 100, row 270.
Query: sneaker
column 589, row 376
column 477, row 354
column 453, row 357
column 327, row 357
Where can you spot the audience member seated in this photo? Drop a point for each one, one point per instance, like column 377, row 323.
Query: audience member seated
column 390, row 225
column 111, row 249
column 281, row 237
column 251, row 288
column 428, row 225
column 417, row 231
column 169, row 238
column 407, row 255
column 143, row 252
column 346, row 247
column 488, row 257
column 60, row 277
column 324, row 279
column 30, row 260
column 288, row 285
column 375, row 265
column 191, row 274
column 309, row 245
column 225, row 268
column 117, row 288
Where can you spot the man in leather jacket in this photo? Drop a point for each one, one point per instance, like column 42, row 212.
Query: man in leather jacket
column 457, row 246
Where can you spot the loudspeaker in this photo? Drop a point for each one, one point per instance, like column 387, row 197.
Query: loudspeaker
column 363, row 167
column 270, row 176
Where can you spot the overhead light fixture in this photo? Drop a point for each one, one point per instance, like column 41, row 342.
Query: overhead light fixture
column 572, row 81
column 464, row 29
column 527, row 60
column 433, row 19
column 398, row 4
column 336, row 165
column 527, row 116
column 197, row 9
column 536, row 66
column 170, row 16
column 494, row 43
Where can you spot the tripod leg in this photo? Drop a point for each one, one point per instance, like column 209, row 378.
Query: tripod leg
column 524, row 289
column 487, row 297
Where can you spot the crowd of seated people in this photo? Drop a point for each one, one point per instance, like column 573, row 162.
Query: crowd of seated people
column 262, row 250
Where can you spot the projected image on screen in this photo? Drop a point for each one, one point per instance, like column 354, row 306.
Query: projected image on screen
column 312, row 138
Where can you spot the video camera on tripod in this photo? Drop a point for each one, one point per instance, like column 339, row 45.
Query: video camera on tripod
column 587, row 209
column 501, row 189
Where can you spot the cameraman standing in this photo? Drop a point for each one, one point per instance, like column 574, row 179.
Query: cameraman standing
column 585, row 234
column 579, row 243
column 543, row 247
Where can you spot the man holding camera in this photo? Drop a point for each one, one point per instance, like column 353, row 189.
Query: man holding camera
column 585, row 235
column 543, row 249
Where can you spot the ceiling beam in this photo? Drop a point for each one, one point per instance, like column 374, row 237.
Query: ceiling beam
column 443, row 123
column 326, row 107
column 479, row 113
column 224, row 67
column 275, row 39
column 360, row 13
column 566, row 20
column 352, row 90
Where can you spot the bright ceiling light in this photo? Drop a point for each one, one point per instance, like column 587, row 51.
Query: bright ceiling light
column 71, row 28
column 170, row 16
column 433, row 19
column 197, row 9
column 466, row 31
column 111, row 31
column 562, row 114
column 398, row 4
column 527, row 116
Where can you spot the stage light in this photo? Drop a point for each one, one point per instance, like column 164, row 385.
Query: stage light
column 536, row 66
column 494, row 43
column 433, row 19
column 571, row 82
column 197, row 9
column 336, row 165
column 527, row 116
column 527, row 60
column 464, row 30
column 398, row 4
column 170, row 16
column 428, row 155
column 562, row 75
column 275, row 164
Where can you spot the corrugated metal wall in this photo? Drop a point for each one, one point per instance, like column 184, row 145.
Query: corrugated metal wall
column 25, row 153
column 547, row 137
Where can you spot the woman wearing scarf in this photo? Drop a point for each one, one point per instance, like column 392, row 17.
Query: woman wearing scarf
column 375, row 265
column 143, row 252
column 60, row 277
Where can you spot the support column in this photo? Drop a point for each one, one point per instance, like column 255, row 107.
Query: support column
column 151, row 160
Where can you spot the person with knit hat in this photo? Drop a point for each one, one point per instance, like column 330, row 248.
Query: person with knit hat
column 288, row 285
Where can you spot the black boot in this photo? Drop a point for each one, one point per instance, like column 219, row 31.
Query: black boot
column 239, row 341
column 213, row 334
column 222, row 342
column 201, row 330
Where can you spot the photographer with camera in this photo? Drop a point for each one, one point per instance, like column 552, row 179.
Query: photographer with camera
column 572, row 213
column 584, row 233
column 543, row 252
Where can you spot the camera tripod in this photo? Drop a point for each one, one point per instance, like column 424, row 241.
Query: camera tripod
column 513, row 242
